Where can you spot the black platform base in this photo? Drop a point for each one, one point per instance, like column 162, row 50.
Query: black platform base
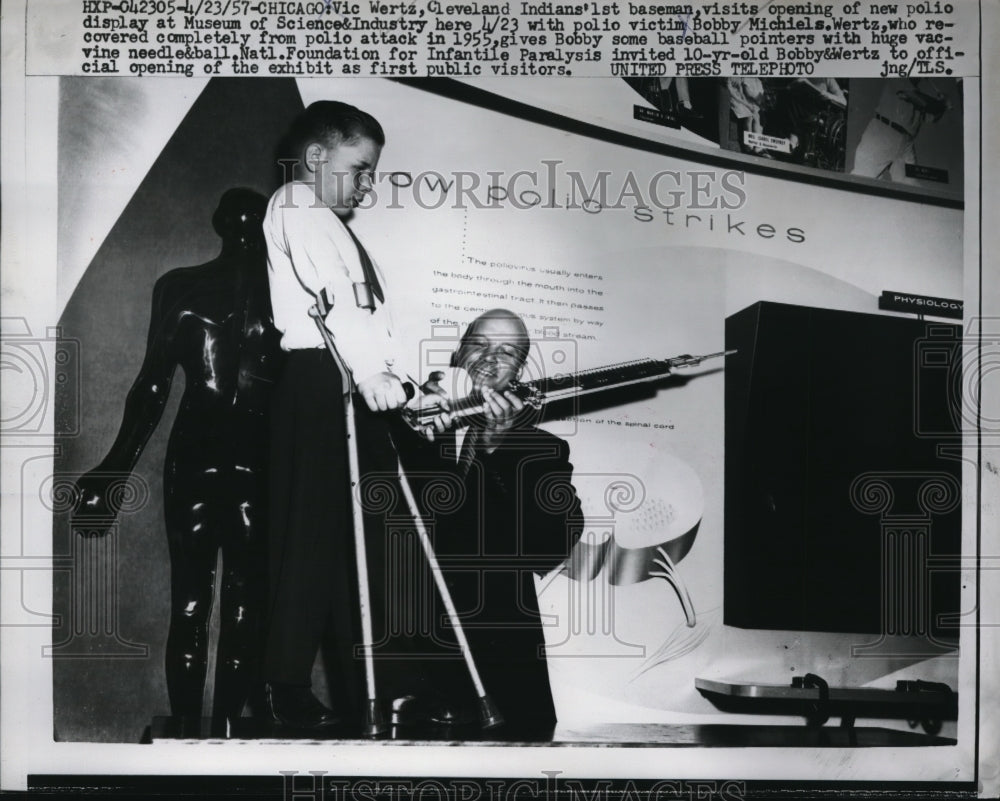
column 631, row 735
column 172, row 728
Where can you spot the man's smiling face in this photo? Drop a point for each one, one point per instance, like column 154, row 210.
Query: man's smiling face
column 493, row 350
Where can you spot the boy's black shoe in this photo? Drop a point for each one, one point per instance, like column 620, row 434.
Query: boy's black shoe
column 296, row 707
column 413, row 710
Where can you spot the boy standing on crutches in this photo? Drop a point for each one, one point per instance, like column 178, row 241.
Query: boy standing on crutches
column 313, row 254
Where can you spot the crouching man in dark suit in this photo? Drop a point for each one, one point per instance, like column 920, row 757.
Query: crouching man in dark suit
column 512, row 513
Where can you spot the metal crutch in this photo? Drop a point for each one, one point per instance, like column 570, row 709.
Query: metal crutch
column 374, row 722
column 489, row 715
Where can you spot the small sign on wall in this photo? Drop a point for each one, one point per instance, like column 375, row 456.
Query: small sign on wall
column 920, row 304
column 765, row 142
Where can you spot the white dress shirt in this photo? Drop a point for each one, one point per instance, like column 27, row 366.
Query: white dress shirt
column 310, row 249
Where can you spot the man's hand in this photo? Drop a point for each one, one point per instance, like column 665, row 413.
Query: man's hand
column 382, row 392
column 500, row 411
column 432, row 396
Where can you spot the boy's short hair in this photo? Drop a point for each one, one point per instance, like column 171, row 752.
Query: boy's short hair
column 330, row 122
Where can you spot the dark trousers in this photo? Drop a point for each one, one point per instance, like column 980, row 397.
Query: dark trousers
column 312, row 569
column 509, row 657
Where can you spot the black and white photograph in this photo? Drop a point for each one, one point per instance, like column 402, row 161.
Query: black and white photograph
column 797, row 120
column 481, row 430
column 907, row 131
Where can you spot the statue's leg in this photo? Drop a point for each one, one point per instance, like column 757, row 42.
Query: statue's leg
column 192, row 533
column 242, row 602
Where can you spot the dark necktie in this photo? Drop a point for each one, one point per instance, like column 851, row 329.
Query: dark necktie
column 371, row 278
column 470, row 448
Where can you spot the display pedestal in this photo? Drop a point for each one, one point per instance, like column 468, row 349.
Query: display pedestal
column 165, row 729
